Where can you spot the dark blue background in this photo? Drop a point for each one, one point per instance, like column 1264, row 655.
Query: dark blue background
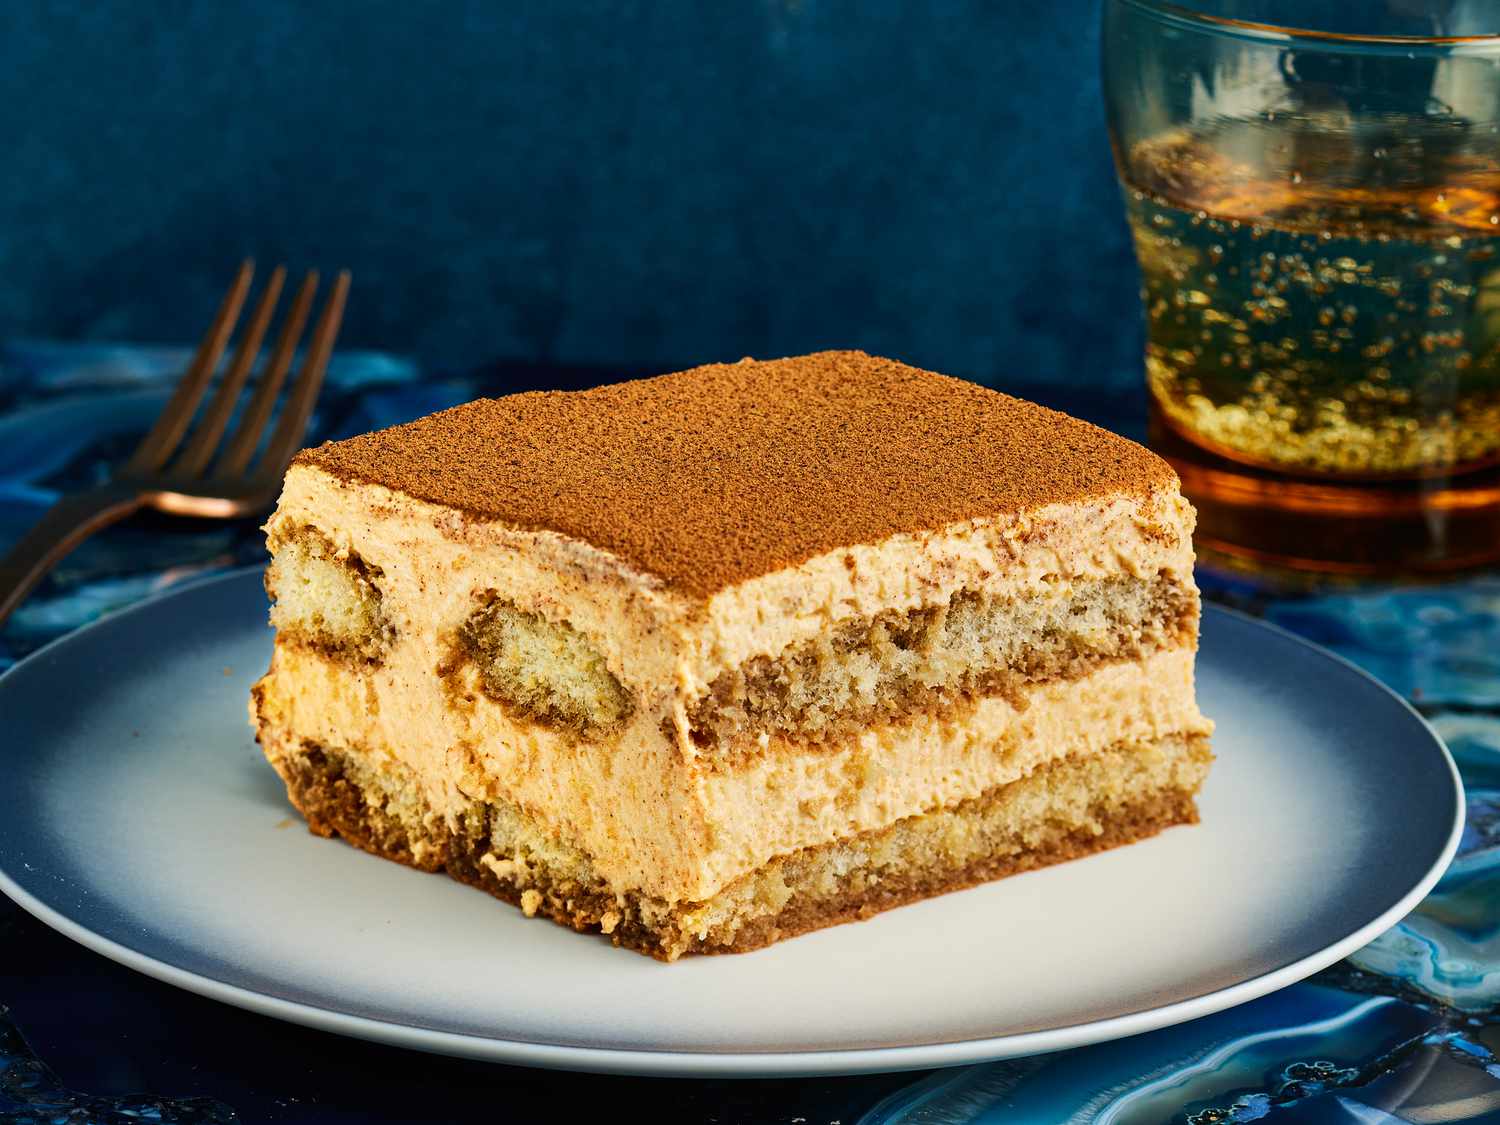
column 641, row 185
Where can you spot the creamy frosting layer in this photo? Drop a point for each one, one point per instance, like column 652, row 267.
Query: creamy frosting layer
column 655, row 822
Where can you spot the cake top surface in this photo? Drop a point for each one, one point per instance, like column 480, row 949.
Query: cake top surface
column 709, row 477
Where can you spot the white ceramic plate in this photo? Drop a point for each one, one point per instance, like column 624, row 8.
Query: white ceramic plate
column 138, row 817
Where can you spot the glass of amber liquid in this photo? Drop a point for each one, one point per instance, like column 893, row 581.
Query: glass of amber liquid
column 1313, row 187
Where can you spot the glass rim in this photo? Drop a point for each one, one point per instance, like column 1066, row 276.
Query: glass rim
column 1250, row 29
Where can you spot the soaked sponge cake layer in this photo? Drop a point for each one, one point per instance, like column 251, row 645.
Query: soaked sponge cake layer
column 1064, row 810
column 881, row 668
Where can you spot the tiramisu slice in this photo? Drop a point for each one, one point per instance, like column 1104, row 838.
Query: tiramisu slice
column 705, row 661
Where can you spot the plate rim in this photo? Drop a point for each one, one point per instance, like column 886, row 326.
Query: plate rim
column 740, row 1064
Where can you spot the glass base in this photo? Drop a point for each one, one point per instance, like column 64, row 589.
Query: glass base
column 1261, row 518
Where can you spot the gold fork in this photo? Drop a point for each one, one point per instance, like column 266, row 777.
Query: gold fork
column 207, row 476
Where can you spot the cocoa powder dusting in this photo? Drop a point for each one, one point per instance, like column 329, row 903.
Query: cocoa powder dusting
column 712, row 476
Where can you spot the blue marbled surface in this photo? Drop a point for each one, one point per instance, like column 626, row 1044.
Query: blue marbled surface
column 1406, row 1030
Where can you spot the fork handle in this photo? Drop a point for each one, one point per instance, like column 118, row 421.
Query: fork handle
column 62, row 528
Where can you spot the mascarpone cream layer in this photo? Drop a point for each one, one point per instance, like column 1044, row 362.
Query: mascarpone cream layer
column 668, row 647
column 658, row 821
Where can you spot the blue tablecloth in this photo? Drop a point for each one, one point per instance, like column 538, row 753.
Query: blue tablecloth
column 1408, row 1029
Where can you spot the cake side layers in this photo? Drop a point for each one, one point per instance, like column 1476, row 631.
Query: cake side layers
column 1066, row 809
column 679, row 830
column 436, row 568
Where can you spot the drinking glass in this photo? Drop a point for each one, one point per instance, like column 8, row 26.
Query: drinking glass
column 1313, row 187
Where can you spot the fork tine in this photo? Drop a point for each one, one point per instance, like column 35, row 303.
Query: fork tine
column 294, row 415
column 200, row 446
column 247, row 436
column 173, row 420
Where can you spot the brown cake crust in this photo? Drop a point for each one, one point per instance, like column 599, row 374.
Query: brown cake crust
column 334, row 805
column 719, row 474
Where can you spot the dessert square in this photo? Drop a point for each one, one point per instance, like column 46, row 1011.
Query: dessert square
column 709, row 660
